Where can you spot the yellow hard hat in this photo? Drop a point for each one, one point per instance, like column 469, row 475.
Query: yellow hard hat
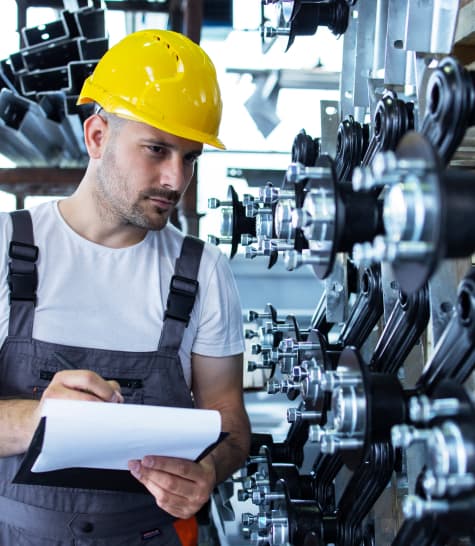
column 163, row 79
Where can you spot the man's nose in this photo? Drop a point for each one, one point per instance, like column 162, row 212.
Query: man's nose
column 173, row 173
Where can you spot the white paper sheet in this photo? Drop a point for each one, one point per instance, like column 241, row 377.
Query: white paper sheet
column 107, row 435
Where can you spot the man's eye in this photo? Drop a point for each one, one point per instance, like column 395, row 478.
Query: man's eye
column 156, row 149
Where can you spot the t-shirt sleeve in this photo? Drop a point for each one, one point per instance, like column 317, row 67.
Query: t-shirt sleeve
column 220, row 331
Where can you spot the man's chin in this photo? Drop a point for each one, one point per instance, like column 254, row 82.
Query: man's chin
column 158, row 221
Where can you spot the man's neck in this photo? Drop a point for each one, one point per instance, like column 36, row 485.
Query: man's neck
column 84, row 217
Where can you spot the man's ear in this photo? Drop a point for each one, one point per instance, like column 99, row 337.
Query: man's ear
column 95, row 128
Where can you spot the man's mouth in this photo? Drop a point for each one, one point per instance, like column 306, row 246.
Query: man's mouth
column 161, row 202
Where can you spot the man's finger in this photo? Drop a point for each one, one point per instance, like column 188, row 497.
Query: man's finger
column 89, row 383
column 173, row 495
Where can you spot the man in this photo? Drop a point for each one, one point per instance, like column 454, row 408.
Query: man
column 96, row 308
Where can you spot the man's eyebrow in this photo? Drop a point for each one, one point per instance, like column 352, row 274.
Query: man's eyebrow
column 168, row 145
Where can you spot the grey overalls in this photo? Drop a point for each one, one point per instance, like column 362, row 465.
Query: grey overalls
column 39, row 515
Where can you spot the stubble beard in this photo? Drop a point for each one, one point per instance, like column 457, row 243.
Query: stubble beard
column 114, row 202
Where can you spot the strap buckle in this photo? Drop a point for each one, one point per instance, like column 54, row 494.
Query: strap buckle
column 22, row 272
column 23, row 251
column 181, row 298
column 22, row 284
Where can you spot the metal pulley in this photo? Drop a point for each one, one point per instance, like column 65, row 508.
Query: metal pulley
column 428, row 214
column 351, row 146
column 234, row 222
column 450, row 110
column 364, row 408
column 297, row 18
column 447, row 482
column 332, row 217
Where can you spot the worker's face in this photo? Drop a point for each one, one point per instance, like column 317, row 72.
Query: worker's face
column 143, row 172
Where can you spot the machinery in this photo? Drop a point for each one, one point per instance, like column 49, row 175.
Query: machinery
column 378, row 386
column 380, row 443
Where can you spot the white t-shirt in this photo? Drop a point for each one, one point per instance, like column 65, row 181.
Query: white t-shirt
column 94, row 296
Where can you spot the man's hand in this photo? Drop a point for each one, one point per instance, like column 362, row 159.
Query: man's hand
column 19, row 418
column 180, row 487
column 82, row 385
column 79, row 385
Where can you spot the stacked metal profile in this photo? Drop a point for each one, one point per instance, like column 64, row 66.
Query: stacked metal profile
column 40, row 124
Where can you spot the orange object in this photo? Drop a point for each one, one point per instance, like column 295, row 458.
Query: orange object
column 187, row 531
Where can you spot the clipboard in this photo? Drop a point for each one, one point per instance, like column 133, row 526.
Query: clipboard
column 83, row 477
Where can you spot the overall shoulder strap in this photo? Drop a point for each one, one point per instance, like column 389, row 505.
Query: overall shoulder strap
column 182, row 294
column 22, row 275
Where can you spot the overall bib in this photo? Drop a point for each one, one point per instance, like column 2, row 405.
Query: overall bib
column 41, row 515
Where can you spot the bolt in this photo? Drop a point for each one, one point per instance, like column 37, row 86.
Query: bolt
column 247, row 239
column 270, row 194
column 441, row 485
column 263, row 520
column 299, row 374
column 254, row 315
column 316, row 433
column 297, row 172
column 251, row 209
column 331, row 380
column 384, row 163
column 252, row 366
column 272, row 32
column 330, row 443
column 242, row 495
column 248, row 482
column 406, row 250
column 223, row 240
column 308, row 346
column 266, row 496
column 273, row 387
column 362, row 179
column 252, row 252
column 281, row 245
column 294, row 415
column 405, row 435
column 294, row 259
column 256, row 349
column 423, row 410
column 258, row 496
column 248, row 518
column 257, row 459
column 271, row 328
column 287, row 345
column 363, row 254
column 269, row 358
column 214, row 203
column 414, row 507
column 245, row 532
